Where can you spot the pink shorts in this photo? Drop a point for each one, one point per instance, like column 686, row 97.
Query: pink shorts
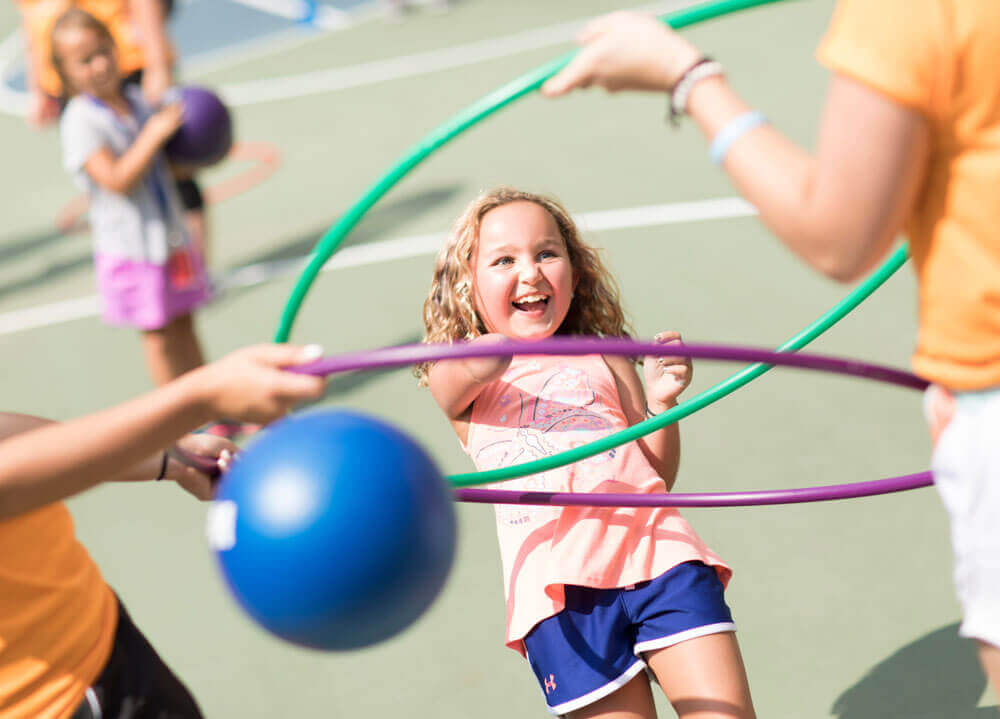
column 149, row 296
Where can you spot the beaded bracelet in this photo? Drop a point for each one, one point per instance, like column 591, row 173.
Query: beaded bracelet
column 677, row 103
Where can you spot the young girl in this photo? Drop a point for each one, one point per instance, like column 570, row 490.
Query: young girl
column 594, row 595
column 149, row 273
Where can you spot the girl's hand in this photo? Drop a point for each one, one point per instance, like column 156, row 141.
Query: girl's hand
column 251, row 385
column 166, row 121
column 666, row 377
column 196, row 483
column 626, row 51
column 155, row 82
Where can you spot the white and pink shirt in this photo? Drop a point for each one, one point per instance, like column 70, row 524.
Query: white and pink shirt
column 544, row 405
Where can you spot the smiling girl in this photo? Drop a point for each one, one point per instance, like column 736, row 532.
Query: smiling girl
column 594, row 595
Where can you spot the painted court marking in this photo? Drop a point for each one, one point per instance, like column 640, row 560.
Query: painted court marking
column 390, row 250
column 369, row 73
column 342, row 78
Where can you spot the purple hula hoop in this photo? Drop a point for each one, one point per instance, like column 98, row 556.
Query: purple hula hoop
column 412, row 354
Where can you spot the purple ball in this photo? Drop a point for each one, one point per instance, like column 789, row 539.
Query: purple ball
column 207, row 133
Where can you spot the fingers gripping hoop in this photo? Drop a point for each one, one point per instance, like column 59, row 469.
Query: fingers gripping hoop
column 465, row 120
column 412, row 354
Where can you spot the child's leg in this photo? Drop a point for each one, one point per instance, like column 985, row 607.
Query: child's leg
column 632, row 701
column 194, row 210
column 704, row 678
column 989, row 656
column 172, row 350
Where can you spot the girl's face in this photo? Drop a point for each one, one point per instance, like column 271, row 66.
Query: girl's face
column 87, row 61
column 522, row 277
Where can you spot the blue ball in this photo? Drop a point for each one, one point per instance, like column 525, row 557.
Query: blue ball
column 334, row 530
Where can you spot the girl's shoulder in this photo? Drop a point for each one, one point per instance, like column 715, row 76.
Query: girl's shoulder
column 77, row 108
column 81, row 110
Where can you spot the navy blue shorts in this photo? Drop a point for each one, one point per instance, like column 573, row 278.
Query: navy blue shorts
column 595, row 645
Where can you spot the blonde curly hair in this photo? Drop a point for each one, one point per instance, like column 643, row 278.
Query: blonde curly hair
column 449, row 312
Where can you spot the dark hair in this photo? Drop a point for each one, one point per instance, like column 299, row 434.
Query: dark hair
column 74, row 18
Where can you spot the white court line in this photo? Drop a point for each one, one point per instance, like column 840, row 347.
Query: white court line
column 341, row 78
column 389, row 250
column 332, row 79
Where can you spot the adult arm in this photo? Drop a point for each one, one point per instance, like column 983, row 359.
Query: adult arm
column 838, row 208
column 42, row 462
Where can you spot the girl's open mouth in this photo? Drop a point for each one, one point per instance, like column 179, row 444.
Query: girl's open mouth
column 533, row 303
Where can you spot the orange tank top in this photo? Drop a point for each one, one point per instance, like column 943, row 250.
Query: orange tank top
column 544, row 405
column 57, row 616
column 40, row 15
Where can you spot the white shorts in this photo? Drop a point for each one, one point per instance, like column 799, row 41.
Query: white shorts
column 966, row 466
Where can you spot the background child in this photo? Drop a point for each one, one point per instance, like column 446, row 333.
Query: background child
column 145, row 58
column 907, row 141
column 67, row 645
column 593, row 595
column 149, row 272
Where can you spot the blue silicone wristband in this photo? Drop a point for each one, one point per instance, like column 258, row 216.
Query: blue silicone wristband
column 732, row 132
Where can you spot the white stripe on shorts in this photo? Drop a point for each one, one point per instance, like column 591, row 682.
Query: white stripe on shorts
column 669, row 641
column 601, row 692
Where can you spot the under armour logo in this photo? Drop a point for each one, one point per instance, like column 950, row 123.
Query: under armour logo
column 550, row 683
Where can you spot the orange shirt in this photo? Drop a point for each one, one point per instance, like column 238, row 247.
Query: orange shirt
column 40, row 15
column 57, row 616
column 940, row 58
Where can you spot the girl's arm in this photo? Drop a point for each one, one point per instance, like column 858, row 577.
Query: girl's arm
column 121, row 174
column 151, row 26
column 48, row 462
column 455, row 384
column 666, row 378
column 838, row 208
column 43, row 109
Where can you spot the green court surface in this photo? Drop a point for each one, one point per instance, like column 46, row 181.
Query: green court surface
column 844, row 609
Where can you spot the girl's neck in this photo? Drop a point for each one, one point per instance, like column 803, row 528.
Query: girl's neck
column 116, row 102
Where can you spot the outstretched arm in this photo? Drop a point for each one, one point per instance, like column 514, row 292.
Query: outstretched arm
column 455, row 384
column 42, row 462
column 838, row 208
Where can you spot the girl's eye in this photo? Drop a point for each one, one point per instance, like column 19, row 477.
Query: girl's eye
column 545, row 254
column 503, row 261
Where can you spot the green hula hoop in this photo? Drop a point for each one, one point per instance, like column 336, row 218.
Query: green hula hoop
column 480, row 110
column 712, row 394
column 447, row 132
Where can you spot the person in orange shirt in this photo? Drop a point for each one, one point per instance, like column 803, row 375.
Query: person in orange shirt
column 68, row 648
column 909, row 140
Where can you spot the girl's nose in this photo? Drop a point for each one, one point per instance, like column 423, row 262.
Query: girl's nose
column 529, row 271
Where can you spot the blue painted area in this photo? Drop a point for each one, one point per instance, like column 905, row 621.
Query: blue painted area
column 210, row 25
column 202, row 27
